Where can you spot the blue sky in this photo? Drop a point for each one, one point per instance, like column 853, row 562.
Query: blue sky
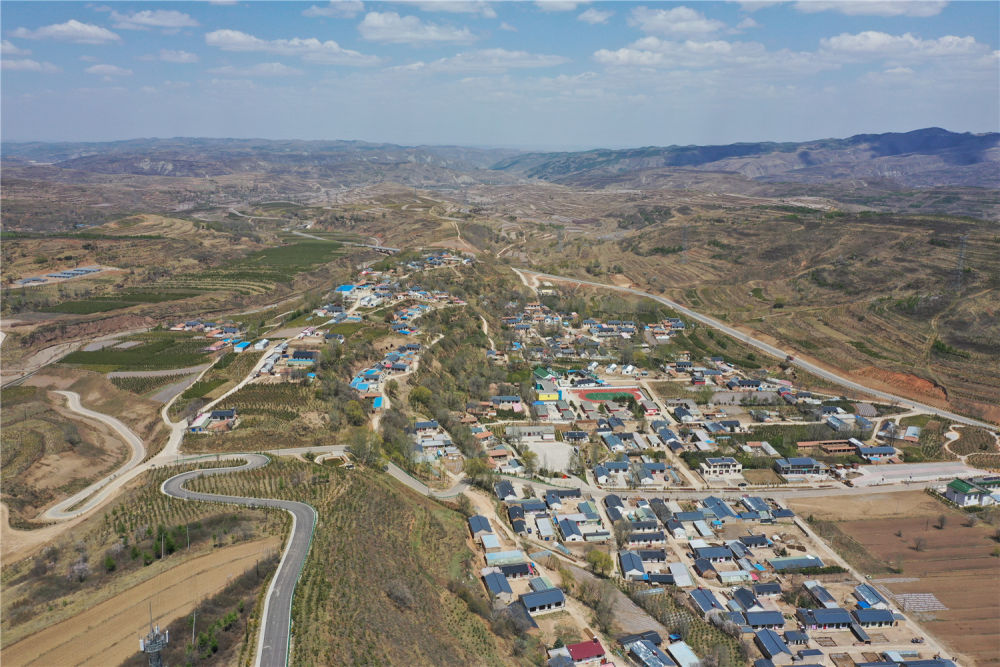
column 525, row 74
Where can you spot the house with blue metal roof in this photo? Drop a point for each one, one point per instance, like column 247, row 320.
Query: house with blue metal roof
column 876, row 453
column 478, row 525
column 772, row 646
column 869, row 598
column 820, row 594
column 713, row 554
column 505, row 491
column 746, row 600
column 874, row 618
column 705, row 600
column 719, row 508
column 824, row 619
column 799, row 465
column 541, row 602
column 498, row 586
column 631, row 565
column 786, row 563
column 570, row 531
column 646, row 654
column 765, row 619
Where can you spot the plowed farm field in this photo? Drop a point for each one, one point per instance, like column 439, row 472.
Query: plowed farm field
column 950, row 582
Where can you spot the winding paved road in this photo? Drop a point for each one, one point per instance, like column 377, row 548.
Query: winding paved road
column 61, row 511
column 773, row 351
column 274, row 636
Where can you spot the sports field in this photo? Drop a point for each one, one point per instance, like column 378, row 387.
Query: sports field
column 607, row 394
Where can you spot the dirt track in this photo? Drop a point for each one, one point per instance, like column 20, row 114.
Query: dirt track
column 108, row 633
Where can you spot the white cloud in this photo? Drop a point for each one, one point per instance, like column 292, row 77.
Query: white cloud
column 692, row 55
column 747, row 24
column 309, row 49
column 508, row 27
column 629, row 58
column 557, row 5
column 676, row 21
column 7, row 48
column 166, row 19
column 899, row 71
column 108, row 70
column 487, row 60
column 594, row 16
column 340, row 9
column 258, row 70
column 89, row 59
column 70, row 31
column 391, row 27
column 169, row 56
column 873, row 42
column 915, row 8
column 27, row 65
column 480, row 7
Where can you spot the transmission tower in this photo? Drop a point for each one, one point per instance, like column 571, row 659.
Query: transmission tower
column 154, row 642
column 960, row 266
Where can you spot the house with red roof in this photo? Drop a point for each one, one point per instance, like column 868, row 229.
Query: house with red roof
column 586, row 653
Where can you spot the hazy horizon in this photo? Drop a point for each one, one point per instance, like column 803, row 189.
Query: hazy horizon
column 523, row 148
column 531, row 76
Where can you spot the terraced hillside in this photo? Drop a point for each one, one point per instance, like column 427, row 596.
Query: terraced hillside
column 878, row 295
column 405, row 598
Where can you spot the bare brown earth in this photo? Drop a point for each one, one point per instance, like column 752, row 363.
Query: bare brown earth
column 17, row 544
column 54, row 470
column 955, row 564
column 108, row 633
column 909, row 384
column 100, row 394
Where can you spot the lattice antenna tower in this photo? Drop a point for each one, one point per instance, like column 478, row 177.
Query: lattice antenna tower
column 154, row 642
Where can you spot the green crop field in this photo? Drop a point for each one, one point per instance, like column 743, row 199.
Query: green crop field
column 159, row 350
column 145, row 384
column 260, row 271
column 202, row 387
column 100, row 304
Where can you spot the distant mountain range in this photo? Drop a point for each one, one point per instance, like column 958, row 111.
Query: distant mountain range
column 352, row 162
column 922, row 158
column 928, row 157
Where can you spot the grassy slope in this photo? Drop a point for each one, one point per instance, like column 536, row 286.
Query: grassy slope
column 374, row 540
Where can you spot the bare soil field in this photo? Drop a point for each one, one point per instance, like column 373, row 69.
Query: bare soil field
column 106, row 634
column 890, row 505
column 762, row 476
column 48, row 452
column 100, row 394
column 954, row 564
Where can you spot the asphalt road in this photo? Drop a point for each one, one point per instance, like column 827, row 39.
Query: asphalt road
column 775, row 352
column 275, row 632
